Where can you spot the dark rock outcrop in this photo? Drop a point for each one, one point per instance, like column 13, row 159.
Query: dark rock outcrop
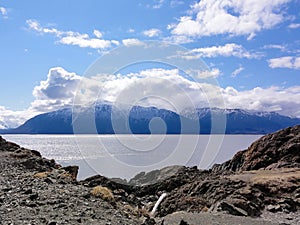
column 267, row 173
column 7, row 146
column 35, row 190
column 276, row 150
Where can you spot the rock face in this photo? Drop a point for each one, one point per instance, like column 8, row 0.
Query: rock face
column 265, row 176
column 262, row 181
column 7, row 146
column 277, row 150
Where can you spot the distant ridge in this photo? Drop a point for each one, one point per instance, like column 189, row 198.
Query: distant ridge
column 237, row 121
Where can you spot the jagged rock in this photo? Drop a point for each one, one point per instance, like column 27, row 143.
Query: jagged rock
column 106, row 182
column 52, row 223
column 8, row 146
column 149, row 221
column 277, row 148
column 231, row 209
column 48, row 180
column 154, row 176
column 182, row 222
column 250, row 207
column 274, row 208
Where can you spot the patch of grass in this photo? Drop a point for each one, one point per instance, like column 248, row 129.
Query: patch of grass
column 271, row 181
column 138, row 212
column 65, row 175
column 41, row 175
column 143, row 212
column 102, row 192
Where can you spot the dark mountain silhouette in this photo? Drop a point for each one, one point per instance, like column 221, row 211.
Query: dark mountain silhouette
column 146, row 120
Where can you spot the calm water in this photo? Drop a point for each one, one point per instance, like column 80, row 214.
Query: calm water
column 126, row 155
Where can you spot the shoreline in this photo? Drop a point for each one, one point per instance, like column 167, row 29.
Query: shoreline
column 38, row 190
column 66, row 151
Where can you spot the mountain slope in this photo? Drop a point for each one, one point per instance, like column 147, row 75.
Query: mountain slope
column 60, row 122
column 241, row 121
column 146, row 120
column 56, row 122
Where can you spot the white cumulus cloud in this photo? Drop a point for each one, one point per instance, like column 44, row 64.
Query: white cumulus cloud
column 237, row 71
column 213, row 73
column 157, row 4
column 294, row 25
column 85, row 42
column 152, row 32
column 230, row 17
column 175, row 3
column 3, row 12
column 131, row 30
column 98, row 34
column 132, row 42
column 11, row 119
column 56, row 91
column 74, row 38
column 227, row 50
column 279, row 47
column 285, row 101
column 289, row 62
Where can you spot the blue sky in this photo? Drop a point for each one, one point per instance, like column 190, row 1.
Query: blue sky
column 251, row 47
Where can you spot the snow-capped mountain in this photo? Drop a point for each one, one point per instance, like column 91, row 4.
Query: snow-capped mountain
column 107, row 119
column 239, row 121
column 203, row 112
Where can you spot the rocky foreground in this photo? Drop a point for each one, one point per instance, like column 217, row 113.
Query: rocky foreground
column 260, row 185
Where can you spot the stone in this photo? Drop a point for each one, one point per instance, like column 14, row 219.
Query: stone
column 182, row 222
column 36, row 153
column 231, row 209
column 28, row 191
column 274, row 208
column 49, row 180
column 52, row 223
column 149, row 221
column 33, row 196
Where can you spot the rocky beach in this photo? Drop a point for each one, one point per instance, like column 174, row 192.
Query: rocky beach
column 259, row 185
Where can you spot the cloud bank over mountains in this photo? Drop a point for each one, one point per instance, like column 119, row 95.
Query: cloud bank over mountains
column 171, row 88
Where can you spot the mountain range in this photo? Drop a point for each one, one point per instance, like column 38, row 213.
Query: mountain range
column 147, row 120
